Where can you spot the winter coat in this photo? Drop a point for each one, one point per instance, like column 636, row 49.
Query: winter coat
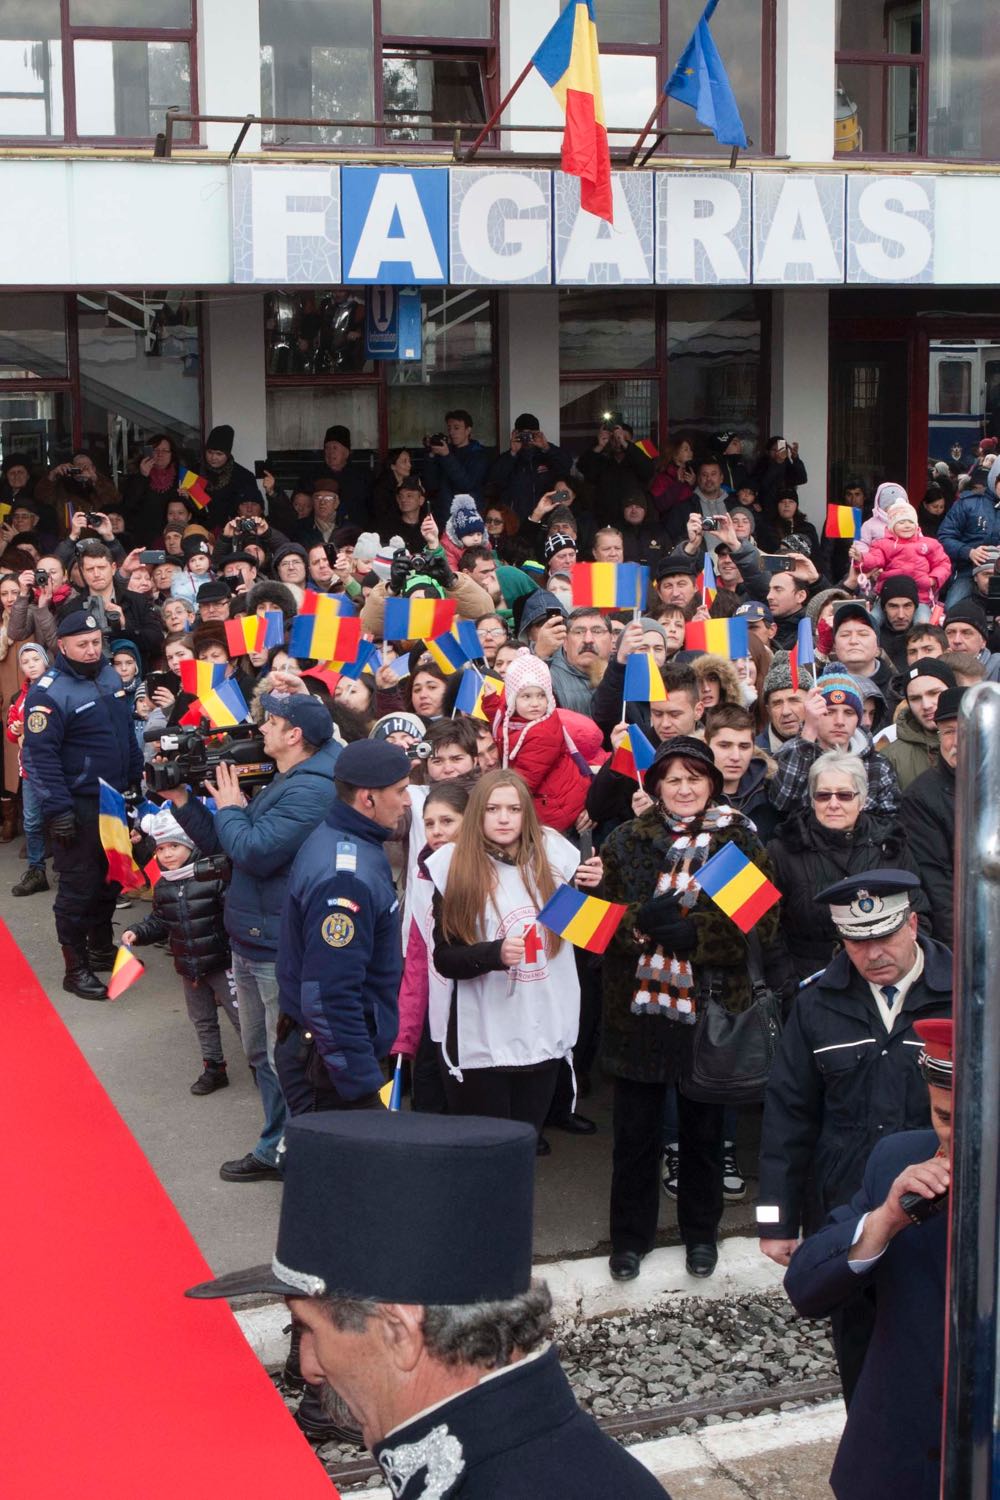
column 557, row 783
column 572, row 687
column 789, row 790
column 808, row 857
column 651, row 1048
column 921, row 558
column 770, row 476
column 227, row 487
column 189, row 912
column 750, row 797
column 912, row 752
column 707, row 664
column 471, row 598
column 613, row 479
column 645, row 543
column 667, row 490
column 927, row 813
column 462, row 471
column 144, row 507
column 262, row 839
column 522, row 478
column 772, row 531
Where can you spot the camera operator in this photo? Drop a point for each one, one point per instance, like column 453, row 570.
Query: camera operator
column 262, row 837
column 529, row 468
column 616, row 467
column 44, row 590
column 425, row 576
column 458, row 464
column 77, row 484
column 118, row 610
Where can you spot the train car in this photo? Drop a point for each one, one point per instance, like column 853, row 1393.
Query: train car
column 964, row 398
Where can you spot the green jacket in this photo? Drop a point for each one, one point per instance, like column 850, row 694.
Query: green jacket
column 913, row 751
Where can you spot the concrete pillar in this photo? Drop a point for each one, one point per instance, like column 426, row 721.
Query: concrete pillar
column 234, row 371
column 228, row 69
column 529, row 359
column 800, row 381
column 805, row 79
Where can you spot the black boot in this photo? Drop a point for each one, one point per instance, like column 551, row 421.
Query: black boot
column 101, row 948
column 318, row 1427
column 212, row 1076
column 31, row 882
column 291, row 1373
column 79, row 978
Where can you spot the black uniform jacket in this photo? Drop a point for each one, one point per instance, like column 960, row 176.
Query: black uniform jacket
column 891, row 1444
column 519, row 1435
column 837, row 1086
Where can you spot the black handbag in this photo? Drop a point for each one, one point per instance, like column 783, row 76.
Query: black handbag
column 731, row 1053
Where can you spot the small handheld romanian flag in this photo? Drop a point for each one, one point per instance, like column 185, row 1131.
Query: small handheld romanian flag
column 843, row 521
column 707, row 582
column 325, row 636
column 200, row 677
column 736, row 885
column 452, row 650
column 634, row 755
column 643, row 683
column 803, row 653
column 729, row 638
column 126, row 971
column 224, row 706
column 472, row 689
column 585, row 921
column 255, row 632
column 609, row 585
column 418, row 619
column 192, row 487
column 113, row 828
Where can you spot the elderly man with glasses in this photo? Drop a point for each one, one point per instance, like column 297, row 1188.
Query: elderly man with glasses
column 579, row 664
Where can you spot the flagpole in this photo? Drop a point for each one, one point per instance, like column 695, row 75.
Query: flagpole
column 646, row 129
column 495, row 116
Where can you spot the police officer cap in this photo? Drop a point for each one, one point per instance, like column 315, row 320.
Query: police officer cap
column 77, row 622
column 461, row 1186
column 302, row 711
column 870, row 905
column 372, row 763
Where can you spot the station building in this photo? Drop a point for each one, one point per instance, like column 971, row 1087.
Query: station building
column 270, row 213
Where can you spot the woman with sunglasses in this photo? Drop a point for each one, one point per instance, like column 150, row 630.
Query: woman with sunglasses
column 835, row 837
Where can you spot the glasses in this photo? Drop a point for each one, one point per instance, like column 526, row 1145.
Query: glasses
column 492, row 632
column 579, row 631
column 834, row 796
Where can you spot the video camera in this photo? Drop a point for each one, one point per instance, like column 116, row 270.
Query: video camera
column 405, row 565
column 189, row 758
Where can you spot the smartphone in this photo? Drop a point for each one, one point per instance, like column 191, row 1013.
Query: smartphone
column 152, row 559
column 586, row 845
column 773, row 564
column 168, row 680
column 260, row 465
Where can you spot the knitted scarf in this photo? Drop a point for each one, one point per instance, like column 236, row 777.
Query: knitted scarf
column 217, row 479
column 162, row 480
column 666, row 983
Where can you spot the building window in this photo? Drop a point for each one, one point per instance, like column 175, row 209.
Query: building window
column 126, row 63
column 317, row 374
column 426, row 64
column 918, row 78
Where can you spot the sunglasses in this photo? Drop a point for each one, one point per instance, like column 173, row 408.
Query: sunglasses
column 834, row 796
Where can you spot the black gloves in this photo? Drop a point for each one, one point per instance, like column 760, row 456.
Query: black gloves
column 63, row 829
column 662, row 920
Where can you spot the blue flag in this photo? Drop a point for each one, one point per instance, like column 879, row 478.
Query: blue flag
column 700, row 80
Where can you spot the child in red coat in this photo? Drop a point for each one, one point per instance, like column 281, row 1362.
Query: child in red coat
column 904, row 550
column 532, row 741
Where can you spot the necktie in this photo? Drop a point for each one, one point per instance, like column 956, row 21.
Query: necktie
column 890, row 991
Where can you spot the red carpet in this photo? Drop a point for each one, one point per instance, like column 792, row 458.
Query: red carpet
column 115, row 1386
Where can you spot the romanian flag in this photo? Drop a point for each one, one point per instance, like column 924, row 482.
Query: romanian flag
column 224, row 706
column 569, row 61
column 418, row 619
column 609, row 585
column 367, row 652
column 647, row 446
column 585, row 921
column 115, row 840
column 391, row 1093
column 255, row 632
column 325, row 636
column 843, row 521
column 737, row 886
column 199, row 677
column 722, row 637
column 315, row 603
column 126, row 971
column 643, row 683
column 802, row 654
column 151, row 870
column 634, row 755
column 458, row 646
column 707, row 582
column 192, row 487
column 472, row 689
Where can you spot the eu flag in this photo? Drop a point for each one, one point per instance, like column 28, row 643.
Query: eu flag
column 700, row 79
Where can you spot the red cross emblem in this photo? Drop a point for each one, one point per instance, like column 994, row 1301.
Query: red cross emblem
column 532, row 944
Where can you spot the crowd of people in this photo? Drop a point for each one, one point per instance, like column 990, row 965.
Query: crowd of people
column 378, row 896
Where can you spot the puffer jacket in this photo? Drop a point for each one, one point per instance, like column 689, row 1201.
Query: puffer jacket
column 973, row 521
column 557, row 782
column 921, row 558
column 874, row 529
column 189, row 912
column 808, row 857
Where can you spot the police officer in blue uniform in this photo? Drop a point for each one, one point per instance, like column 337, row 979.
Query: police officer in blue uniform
column 78, row 730
column 339, row 953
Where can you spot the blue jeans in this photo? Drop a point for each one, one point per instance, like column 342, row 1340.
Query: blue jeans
column 257, row 997
column 961, row 588
column 34, row 826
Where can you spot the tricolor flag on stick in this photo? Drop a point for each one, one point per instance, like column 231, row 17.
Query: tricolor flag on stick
column 568, row 59
column 315, row 603
column 843, row 521
column 802, row 654
column 634, row 755
column 199, row 677
column 192, row 487
column 246, row 633
column 325, row 636
column 729, row 638
column 224, row 706
column 391, row 1093
column 126, row 971
column 736, row 885
column 707, row 582
column 609, row 585
column 151, row 870
column 585, row 921
column 643, row 683
column 367, row 653
column 115, row 841
column 452, row 650
column 418, row 619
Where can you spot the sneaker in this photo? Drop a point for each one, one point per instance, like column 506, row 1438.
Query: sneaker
column 248, row 1168
column 32, row 881
column 734, row 1184
column 212, row 1076
column 671, row 1167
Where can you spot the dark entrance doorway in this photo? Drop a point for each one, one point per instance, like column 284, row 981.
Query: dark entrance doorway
column 868, row 413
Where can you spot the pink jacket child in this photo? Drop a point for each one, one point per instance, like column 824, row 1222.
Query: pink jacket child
column 874, row 529
column 905, row 550
column 533, row 741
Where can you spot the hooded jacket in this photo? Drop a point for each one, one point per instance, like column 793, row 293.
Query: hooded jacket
column 973, row 521
column 913, row 751
column 875, row 528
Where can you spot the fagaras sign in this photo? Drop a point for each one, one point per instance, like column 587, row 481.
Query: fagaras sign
column 436, row 226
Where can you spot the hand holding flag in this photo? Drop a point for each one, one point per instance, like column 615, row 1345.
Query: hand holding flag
column 736, row 885
column 126, row 971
